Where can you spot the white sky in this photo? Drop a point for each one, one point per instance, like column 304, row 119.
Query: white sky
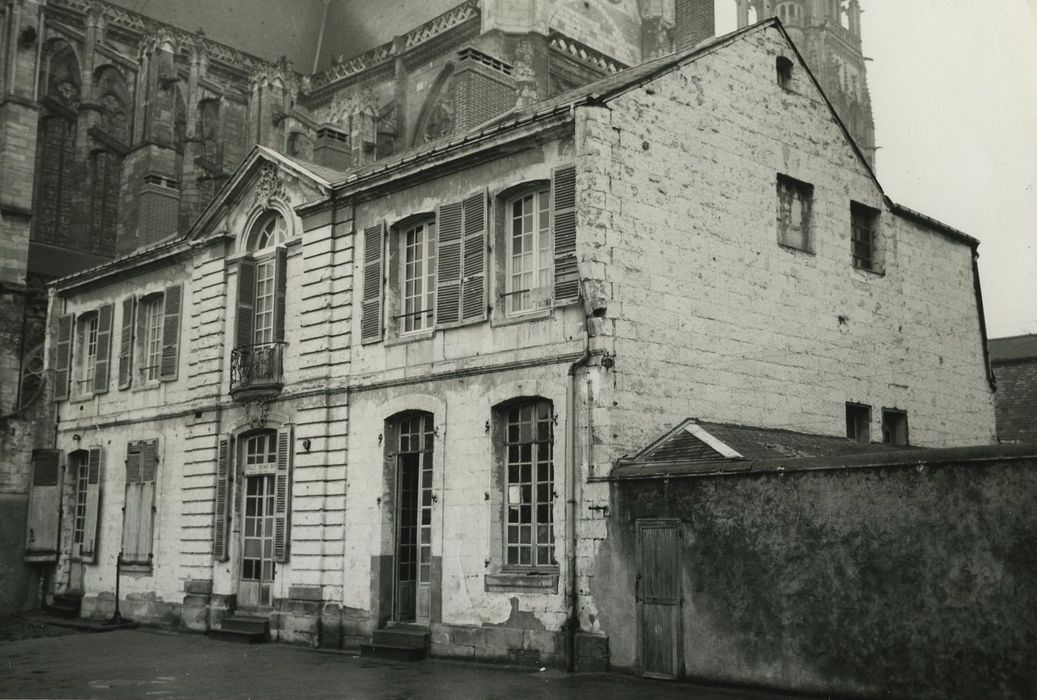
column 954, row 93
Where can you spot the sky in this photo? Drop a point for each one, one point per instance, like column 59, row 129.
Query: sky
column 954, row 93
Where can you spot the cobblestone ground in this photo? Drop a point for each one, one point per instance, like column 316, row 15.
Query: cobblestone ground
column 149, row 664
column 33, row 625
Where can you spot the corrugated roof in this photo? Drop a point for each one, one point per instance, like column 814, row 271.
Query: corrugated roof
column 1019, row 347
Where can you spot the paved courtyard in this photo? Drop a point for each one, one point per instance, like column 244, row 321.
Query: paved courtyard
column 151, row 664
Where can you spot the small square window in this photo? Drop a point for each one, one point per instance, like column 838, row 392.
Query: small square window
column 894, row 427
column 863, row 232
column 858, row 422
column 795, row 202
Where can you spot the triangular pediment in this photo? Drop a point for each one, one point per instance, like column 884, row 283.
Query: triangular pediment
column 265, row 180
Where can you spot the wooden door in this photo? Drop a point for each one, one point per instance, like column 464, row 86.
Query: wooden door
column 658, row 593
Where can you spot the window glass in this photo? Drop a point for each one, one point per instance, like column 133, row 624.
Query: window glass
column 151, row 333
column 80, row 467
column 88, row 358
column 529, row 496
column 418, row 291
column 529, row 253
column 269, row 231
column 264, row 329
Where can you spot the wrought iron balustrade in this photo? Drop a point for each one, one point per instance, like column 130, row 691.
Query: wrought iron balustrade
column 256, row 367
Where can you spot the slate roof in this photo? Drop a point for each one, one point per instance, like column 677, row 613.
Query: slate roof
column 705, row 447
column 1019, row 347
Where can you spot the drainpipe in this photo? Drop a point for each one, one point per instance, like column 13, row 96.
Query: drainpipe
column 570, row 504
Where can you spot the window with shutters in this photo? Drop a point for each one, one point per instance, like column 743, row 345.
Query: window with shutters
column 87, row 366
column 256, row 359
column 529, row 271
column 139, row 504
column 525, row 431
column 417, row 277
column 85, row 469
column 93, row 355
column 151, row 337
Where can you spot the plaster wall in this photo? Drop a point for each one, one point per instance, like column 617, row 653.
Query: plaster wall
column 710, row 317
column 909, row 581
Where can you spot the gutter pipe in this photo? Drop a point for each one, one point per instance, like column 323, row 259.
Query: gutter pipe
column 573, row 621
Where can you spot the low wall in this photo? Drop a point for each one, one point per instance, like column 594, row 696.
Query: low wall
column 19, row 581
column 902, row 580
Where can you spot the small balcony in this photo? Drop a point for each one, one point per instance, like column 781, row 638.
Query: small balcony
column 256, row 371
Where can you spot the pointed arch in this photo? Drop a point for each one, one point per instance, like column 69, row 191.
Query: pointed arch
column 437, row 115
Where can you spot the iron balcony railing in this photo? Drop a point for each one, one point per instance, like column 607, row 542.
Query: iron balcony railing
column 256, row 367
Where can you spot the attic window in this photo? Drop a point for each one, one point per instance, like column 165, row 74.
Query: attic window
column 784, row 70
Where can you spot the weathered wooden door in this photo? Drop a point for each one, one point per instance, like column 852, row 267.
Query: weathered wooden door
column 658, row 593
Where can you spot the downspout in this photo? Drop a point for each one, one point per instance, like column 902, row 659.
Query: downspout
column 982, row 319
column 573, row 621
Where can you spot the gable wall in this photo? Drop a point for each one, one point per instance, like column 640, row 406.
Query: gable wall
column 709, row 317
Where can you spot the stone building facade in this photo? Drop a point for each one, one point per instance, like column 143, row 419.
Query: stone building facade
column 349, row 400
column 117, row 129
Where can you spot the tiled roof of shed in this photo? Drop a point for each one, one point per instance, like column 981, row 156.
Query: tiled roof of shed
column 702, row 445
column 1019, row 347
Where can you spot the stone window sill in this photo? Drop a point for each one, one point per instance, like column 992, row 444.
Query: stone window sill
column 532, row 582
column 138, row 569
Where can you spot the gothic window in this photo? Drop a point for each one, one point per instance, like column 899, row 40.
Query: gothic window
column 209, row 132
column 57, row 145
column 106, row 172
column 113, row 98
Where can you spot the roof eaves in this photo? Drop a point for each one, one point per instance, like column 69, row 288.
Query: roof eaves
column 921, row 218
column 97, row 273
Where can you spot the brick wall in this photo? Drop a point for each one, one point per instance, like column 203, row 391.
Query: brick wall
column 1016, row 400
column 694, row 21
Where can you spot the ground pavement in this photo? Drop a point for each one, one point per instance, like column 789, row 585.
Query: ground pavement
column 151, row 664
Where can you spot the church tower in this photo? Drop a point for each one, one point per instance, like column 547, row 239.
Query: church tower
column 828, row 33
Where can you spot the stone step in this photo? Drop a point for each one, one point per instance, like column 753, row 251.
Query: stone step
column 239, row 637
column 245, row 623
column 65, row 605
column 393, row 652
column 401, row 636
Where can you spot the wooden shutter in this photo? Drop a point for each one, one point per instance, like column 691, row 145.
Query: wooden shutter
column 473, row 280
column 146, row 511
column 105, row 320
column 129, row 322
column 221, row 512
column 244, row 332
column 62, row 357
column 371, row 310
column 88, row 549
column 448, row 263
column 280, row 287
column 282, row 494
column 563, row 209
column 131, row 506
column 41, row 543
column 169, row 364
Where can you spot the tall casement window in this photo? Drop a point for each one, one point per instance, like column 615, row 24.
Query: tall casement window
column 94, row 338
column 529, row 485
column 418, row 277
column 529, row 271
column 409, row 454
column 863, row 236
column 139, row 505
column 85, row 468
column 795, row 203
column 149, row 344
column 259, row 333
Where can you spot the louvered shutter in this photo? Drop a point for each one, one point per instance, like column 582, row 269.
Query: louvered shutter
column 244, row 333
column 563, row 206
column 371, row 309
column 41, row 542
column 131, row 506
column 62, row 357
column 105, row 319
column 283, row 494
column 473, row 285
column 221, row 511
column 448, row 263
column 129, row 320
column 170, row 362
column 88, row 549
column 280, row 287
column 146, row 511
